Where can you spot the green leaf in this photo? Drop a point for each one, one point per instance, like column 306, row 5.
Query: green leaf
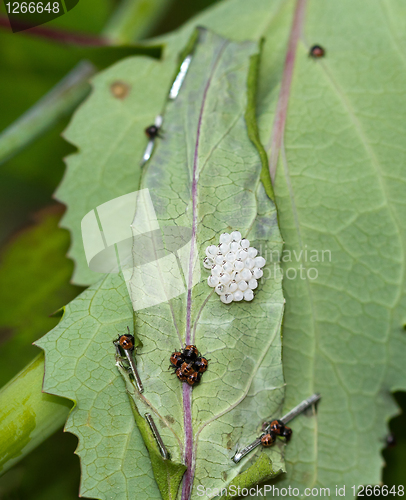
column 262, row 470
column 205, row 177
column 339, row 188
column 109, row 133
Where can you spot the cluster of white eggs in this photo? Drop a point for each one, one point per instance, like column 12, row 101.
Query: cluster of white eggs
column 235, row 268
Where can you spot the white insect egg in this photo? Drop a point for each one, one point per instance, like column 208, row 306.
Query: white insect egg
column 232, row 275
column 257, row 273
column 227, row 298
column 224, row 248
column 216, row 270
column 208, row 263
column 248, row 295
column 230, row 257
column 260, row 262
column 242, row 254
column 225, row 238
column 235, row 246
column 238, row 265
column 220, row 289
column 232, row 286
column 246, row 274
column 252, row 252
column 219, row 259
column 211, row 251
column 253, row 283
column 228, row 267
column 238, row 295
column 236, row 236
column 249, row 263
column 237, row 277
column 245, row 244
column 242, row 285
column 225, row 278
column 212, row 281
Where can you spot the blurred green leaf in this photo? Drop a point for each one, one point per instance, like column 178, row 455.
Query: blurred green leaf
column 34, row 282
column 50, row 472
column 31, row 66
column 395, row 455
column 27, row 415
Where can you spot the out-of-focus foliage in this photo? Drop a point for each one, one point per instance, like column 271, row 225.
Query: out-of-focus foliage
column 34, row 282
column 51, row 472
column 30, row 67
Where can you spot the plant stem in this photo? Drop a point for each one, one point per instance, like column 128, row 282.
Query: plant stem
column 135, row 20
column 27, row 415
column 60, row 101
column 57, row 34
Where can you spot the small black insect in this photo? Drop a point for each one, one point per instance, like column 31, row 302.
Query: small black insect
column 190, row 353
column 200, row 365
column 194, row 378
column 189, row 365
column 152, row 131
column 126, row 342
column 187, row 368
column 277, row 426
column 287, row 433
column 317, row 51
column 176, row 359
column 268, row 439
column 181, row 376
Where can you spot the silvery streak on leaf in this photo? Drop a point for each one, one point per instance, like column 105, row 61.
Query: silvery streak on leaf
column 301, row 407
column 150, row 146
column 173, row 93
column 157, row 436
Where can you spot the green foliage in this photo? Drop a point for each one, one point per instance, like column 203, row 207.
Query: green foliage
column 242, row 340
column 30, row 67
column 27, row 416
column 34, row 282
column 51, row 471
column 339, row 187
